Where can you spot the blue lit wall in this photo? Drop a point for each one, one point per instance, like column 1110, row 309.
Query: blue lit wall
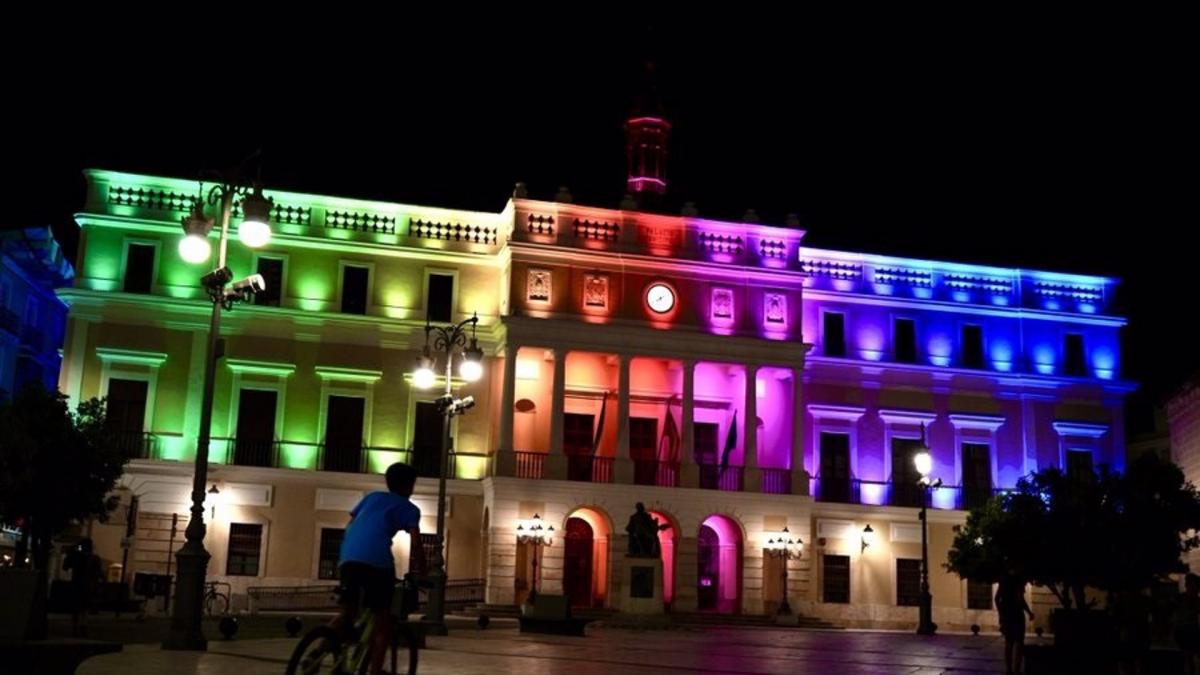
column 1024, row 401
column 32, row 318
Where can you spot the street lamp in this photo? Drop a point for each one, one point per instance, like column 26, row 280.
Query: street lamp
column 923, row 462
column 533, row 532
column 868, row 538
column 186, row 631
column 446, row 340
column 783, row 547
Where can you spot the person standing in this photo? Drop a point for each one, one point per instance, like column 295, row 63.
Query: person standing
column 84, row 566
column 1012, row 610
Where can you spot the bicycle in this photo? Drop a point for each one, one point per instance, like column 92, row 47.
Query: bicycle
column 215, row 600
column 325, row 649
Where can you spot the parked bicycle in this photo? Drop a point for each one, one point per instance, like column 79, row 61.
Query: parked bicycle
column 216, row 603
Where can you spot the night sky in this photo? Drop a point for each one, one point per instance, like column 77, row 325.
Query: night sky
column 1063, row 143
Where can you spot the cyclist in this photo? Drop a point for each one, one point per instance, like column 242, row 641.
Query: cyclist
column 366, row 568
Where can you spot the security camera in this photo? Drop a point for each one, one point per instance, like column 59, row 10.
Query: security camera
column 216, row 278
column 464, row 404
column 251, row 284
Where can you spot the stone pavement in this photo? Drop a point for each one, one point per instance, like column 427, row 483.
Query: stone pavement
column 501, row 649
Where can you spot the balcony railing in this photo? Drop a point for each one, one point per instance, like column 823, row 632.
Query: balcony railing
column 714, row 477
column 653, row 472
column 590, row 469
column 530, row 464
column 136, row 444
column 250, row 452
column 776, row 481
column 889, row 493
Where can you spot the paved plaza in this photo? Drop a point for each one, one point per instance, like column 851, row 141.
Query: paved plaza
column 501, row 649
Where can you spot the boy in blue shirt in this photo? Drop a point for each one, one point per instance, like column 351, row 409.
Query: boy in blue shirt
column 367, row 569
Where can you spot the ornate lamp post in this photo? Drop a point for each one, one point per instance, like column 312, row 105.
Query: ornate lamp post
column 923, row 462
column 254, row 231
column 446, row 340
column 533, row 532
column 783, row 547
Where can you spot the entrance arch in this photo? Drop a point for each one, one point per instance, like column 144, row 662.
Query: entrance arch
column 586, row 536
column 666, row 543
column 719, row 565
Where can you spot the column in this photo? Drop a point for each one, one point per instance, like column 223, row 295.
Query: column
column 556, row 463
column 799, row 474
column 505, row 461
column 689, row 474
column 623, row 464
column 751, row 477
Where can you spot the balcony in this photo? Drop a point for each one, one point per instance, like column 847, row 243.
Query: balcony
column 652, row 472
column 888, row 493
column 776, row 481
column 530, row 464
column 726, row 479
column 136, row 444
column 590, row 469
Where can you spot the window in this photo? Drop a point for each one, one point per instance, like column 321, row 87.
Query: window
column 833, row 333
column 139, row 268
column 972, row 346
column 834, row 476
column 330, row 553
column 245, row 545
column 979, row 594
column 904, row 332
column 1073, row 361
column 271, row 270
column 439, row 303
column 1079, row 464
column 354, row 289
column 126, row 414
column 906, row 490
column 908, row 582
column 835, row 575
column 976, row 474
column 643, row 447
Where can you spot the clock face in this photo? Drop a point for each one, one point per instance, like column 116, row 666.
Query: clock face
column 660, row 297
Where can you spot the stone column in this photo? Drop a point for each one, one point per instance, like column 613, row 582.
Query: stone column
column 505, row 460
column 689, row 473
column 556, row 463
column 751, row 476
column 799, row 474
column 623, row 463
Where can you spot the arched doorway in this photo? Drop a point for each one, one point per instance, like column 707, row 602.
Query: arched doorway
column 666, row 544
column 585, row 539
column 577, row 562
column 719, row 565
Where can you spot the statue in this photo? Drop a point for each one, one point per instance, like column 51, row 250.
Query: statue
column 643, row 534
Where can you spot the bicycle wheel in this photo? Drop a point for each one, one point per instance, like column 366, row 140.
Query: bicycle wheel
column 318, row 652
column 217, row 604
column 403, row 654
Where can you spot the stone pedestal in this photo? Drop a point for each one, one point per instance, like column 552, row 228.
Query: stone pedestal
column 639, row 585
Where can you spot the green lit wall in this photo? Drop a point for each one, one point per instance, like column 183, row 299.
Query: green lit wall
column 306, row 333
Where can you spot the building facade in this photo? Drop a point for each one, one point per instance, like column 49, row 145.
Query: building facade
column 32, row 318
column 735, row 381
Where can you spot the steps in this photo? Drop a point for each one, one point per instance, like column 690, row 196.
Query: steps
column 677, row 618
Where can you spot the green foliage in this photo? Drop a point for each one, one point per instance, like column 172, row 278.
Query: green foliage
column 1110, row 531
column 57, row 467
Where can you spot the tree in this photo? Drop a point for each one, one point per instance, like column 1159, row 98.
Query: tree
column 56, row 468
column 1109, row 531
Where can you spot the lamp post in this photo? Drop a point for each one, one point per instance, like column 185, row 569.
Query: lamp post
column 532, row 532
column 783, row 547
column 446, row 340
column 254, row 231
column 923, row 462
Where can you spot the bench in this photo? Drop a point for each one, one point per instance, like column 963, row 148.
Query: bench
column 551, row 615
column 50, row 657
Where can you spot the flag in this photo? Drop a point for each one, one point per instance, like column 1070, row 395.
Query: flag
column 600, row 424
column 730, row 443
column 669, row 446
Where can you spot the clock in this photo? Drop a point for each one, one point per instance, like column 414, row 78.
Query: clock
column 660, row 298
